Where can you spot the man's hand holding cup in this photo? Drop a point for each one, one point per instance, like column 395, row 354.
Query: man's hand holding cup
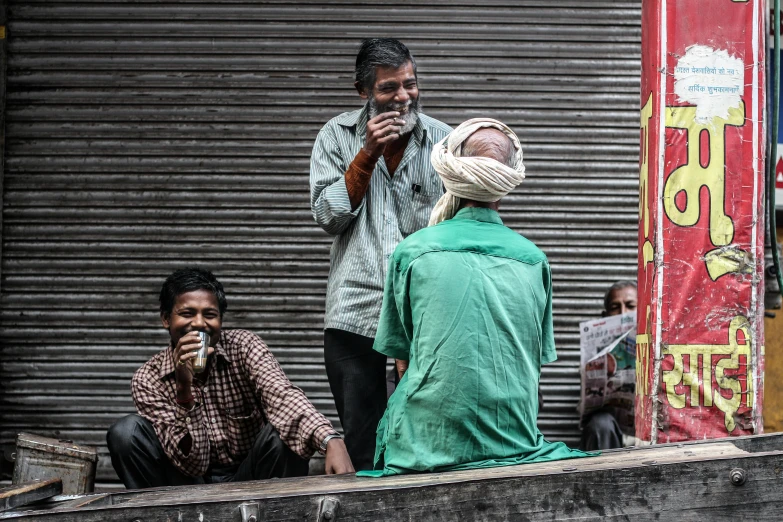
column 186, row 353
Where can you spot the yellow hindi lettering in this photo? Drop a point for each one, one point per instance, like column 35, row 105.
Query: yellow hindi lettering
column 691, row 177
column 728, row 260
column 730, row 406
column 691, row 377
column 643, row 360
column 643, row 357
column 644, row 167
column 679, row 376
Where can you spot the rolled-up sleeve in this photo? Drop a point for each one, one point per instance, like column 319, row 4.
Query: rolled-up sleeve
column 329, row 201
column 172, row 423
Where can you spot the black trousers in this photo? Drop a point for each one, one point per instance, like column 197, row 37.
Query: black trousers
column 601, row 432
column 139, row 459
column 357, row 377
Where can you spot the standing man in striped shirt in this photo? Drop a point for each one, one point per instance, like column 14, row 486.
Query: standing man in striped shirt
column 371, row 185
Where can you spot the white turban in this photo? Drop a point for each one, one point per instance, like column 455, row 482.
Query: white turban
column 478, row 178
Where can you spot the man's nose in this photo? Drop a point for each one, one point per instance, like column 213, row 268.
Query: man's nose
column 198, row 321
column 401, row 95
column 624, row 309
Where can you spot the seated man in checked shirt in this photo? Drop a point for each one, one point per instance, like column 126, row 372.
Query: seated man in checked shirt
column 240, row 419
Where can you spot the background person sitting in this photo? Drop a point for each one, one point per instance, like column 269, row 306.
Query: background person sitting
column 601, row 430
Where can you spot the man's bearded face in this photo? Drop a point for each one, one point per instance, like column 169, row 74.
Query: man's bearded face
column 409, row 111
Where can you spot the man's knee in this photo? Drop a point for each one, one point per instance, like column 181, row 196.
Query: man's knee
column 271, row 457
column 268, row 442
column 602, row 422
column 120, row 437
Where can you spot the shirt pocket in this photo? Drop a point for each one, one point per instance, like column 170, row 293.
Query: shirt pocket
column 242, row 432
column 423, row 197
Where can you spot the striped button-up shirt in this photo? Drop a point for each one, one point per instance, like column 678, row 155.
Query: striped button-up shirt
column 245, row 389
column 393, row 208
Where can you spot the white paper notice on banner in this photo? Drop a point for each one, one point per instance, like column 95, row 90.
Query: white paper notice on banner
column 711, row 80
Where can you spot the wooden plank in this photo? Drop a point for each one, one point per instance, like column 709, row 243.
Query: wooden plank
column 277, row 488
column 28, row 492
column 750, row 443
column 693, row 482
column 608, row 460
column 759, row 443
column 100, row 499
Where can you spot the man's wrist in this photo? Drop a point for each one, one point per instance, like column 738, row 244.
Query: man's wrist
column 365, row 160
column 326, row 440
column 185, row 396
column 186, row 400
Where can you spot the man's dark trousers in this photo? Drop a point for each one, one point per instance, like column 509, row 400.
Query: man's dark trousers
column 601, row 432
column 357, row 377
column 139, row 459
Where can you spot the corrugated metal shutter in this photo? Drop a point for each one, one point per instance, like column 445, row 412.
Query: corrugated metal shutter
column 145, row 136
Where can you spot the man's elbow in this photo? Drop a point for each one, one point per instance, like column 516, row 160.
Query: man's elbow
column 333, row 227
column 330, row 222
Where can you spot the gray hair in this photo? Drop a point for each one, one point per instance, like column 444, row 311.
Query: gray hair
column 380, row 52
column 619, row 285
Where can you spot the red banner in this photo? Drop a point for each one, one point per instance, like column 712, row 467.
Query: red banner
column 701, row 227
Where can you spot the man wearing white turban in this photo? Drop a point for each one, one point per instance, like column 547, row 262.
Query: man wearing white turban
column 468, row 303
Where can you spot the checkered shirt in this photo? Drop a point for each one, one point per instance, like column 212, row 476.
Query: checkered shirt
column 246, row 389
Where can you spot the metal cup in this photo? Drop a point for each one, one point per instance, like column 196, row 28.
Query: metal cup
column 200, row 361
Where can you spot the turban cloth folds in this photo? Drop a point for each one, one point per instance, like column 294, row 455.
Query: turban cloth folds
column 477, row 178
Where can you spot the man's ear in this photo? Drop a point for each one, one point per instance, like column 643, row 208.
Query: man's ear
column 165, row 318
column 360, row 90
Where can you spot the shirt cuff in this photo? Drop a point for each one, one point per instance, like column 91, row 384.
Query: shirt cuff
column 189, row 419
column 401, row 352
column 339, row 202
column 320, row 433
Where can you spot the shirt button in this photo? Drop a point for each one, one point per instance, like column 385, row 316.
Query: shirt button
column 187, row 419
column 214, row 421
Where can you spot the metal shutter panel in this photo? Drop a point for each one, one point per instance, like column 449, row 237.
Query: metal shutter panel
column 145, row 136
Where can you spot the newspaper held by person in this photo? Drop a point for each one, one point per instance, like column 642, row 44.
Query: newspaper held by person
column 608, row 368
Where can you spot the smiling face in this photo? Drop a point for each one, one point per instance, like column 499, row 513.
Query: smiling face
column 395, row 89
column 196, row 310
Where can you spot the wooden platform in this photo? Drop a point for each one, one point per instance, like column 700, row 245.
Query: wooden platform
column 731, row 479
column 28, row 492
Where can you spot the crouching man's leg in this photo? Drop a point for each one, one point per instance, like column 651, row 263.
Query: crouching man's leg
column 271, row 458
column 139, row 459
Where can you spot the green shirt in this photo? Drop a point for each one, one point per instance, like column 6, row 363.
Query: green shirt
column 469, row 303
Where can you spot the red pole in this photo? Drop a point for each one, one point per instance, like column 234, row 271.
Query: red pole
column 700, row 348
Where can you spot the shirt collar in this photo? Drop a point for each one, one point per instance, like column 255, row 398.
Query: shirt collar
column 487, row 215
column 167, row 365
column 359, row 120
